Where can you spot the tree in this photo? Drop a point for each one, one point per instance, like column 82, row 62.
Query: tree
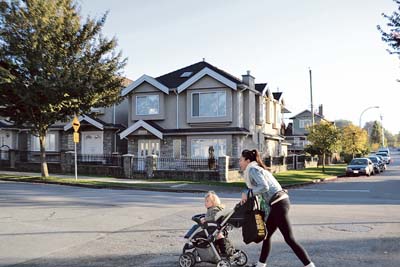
column 354, row 140
column 324, row 137
column 375, row 136
column 391, row 35
column 53, row 66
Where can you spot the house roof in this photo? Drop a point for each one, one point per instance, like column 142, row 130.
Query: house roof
column 7, row 125
column 174, row 79
column 306, row 112
column 260, row 87
column 277, row 95
column 142, row 79
column 199, row 130
column 159, row 132
column 88, row 119
column 141, row 124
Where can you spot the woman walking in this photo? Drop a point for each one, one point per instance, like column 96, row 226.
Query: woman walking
column 264, row 184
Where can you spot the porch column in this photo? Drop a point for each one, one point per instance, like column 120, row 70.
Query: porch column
column 127, row 165
column 67, row 161
column 151, row 165
column 12, row 158
column 223, row 167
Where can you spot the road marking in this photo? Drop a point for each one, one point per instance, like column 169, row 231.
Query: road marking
column 335, row 190
column 178, row 185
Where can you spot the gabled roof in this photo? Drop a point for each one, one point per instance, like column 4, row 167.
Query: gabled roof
column 140, row 124
column 263, row 89
column 201, row 74
column 86, row 118
column 174, row 79
column 142, row 79
column 198, row 130
column 277, row 95
column 5, row 124
column 306, row 112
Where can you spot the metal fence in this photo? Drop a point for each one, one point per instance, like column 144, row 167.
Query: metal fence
column 34, row 156
column 186, row 164
column 100, row 159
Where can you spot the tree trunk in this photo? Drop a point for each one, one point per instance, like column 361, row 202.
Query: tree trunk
column 323, row 162
column 44, row 170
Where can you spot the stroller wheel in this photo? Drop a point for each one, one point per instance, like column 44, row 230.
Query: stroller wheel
column 239, row 258
column 187, row 260
column 223, row 263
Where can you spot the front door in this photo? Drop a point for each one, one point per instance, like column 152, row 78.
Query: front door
column 5, row 144
column 92, row 142
column 149, row 147
column 146, row 148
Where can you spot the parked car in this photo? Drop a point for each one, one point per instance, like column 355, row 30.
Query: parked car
column 382, row 160
column 384, row 149
column 385, row 156
column 360, row 166
column 379, row 165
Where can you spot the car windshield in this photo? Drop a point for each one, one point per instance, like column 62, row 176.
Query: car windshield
column 359, row 162
column 382, row 154
column 373, row 159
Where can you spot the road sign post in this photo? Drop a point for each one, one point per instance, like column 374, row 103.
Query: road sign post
column 76, row 124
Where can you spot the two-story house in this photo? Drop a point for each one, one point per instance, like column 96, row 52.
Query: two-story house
column 185, row 112
column 98, row 134
column 8, row 137
column 296, row 132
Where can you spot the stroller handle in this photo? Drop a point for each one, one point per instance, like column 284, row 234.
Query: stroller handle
column 197, row 218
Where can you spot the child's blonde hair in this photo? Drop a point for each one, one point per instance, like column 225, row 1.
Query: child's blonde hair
column 214, row 198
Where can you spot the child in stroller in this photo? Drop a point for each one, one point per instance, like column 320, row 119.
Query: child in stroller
column 208, row 238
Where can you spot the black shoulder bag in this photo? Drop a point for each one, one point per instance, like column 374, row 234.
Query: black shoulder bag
column 253, row 228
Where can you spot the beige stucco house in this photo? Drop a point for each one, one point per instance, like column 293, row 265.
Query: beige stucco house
column 185, row 112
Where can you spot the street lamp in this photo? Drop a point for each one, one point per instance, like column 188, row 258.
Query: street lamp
column 364, row 111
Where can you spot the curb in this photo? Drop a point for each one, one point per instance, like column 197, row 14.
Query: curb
column 161, row 189
column 156, row 189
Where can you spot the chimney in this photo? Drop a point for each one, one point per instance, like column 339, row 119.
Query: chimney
column 320, row 110
column 248, row 80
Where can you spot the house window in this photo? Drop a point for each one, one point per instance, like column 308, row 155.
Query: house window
column 304, row 123
column 50, row 142
column 199, row 147
column 268, row 111
column 147, row 105
column 210, row 104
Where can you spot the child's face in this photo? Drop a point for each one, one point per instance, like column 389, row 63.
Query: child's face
column 208, row 202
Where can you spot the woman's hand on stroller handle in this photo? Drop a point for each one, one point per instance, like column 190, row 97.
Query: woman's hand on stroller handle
column 244, row 198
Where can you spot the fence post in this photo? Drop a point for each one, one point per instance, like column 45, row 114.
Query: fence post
column 127, row 165
column 223, row 166
column 295, row 162
column 151, row 165
column 12, row 158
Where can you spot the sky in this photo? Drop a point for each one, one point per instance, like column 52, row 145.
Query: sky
column 278, row 41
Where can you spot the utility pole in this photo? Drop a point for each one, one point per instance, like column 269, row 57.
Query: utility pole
column 383, row 132
column 312, row 105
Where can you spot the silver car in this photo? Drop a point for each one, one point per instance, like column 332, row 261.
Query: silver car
column 360, row 166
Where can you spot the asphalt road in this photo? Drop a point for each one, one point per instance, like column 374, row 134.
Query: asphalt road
column 348, row 222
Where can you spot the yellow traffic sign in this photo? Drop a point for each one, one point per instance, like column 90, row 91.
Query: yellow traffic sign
column 75, row 124
column 76, row 137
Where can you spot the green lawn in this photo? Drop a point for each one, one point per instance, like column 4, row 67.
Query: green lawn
column 310, row 174
column 285, row 178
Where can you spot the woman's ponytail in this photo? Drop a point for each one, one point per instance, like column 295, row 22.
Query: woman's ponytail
column 254, row 155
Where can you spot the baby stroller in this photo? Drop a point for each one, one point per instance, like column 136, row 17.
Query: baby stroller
column 200, row 246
